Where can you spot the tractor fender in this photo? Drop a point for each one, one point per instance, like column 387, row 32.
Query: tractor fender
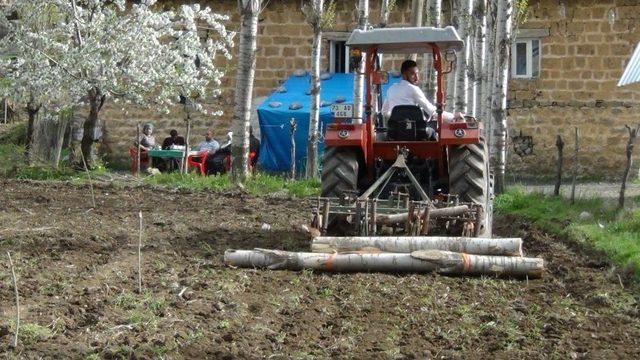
column 348, row 135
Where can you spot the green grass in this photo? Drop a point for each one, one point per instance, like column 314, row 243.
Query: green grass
column 14, row 165
column 15, row 135
column 615, row 233
column 31, row 333
column 258, row 184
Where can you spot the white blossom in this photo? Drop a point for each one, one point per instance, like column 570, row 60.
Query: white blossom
column 136, row 54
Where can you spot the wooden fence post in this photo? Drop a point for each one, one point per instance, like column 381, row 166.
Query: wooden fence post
column 575, row 166
column 138, row 151
column 15, row 288
column 293, row 148
column 560, row 146
column 633, row 133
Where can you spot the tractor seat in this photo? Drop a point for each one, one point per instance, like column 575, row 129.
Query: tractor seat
column 407, row 123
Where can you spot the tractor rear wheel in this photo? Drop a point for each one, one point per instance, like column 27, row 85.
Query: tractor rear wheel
column 340, row 169
column 469, row 178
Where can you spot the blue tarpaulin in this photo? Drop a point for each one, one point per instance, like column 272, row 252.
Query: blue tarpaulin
column 275, row 128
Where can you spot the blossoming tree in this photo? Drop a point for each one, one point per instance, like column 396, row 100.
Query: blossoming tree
column 94, row 50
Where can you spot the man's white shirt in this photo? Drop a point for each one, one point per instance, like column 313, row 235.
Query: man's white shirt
column 405, row 93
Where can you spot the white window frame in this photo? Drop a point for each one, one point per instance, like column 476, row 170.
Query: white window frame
column 529, row 57
column 332, row 60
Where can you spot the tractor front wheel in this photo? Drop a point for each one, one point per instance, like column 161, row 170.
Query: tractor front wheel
column 340, row 168
column 469, row 178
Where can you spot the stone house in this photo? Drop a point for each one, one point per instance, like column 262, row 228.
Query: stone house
column 565, row 64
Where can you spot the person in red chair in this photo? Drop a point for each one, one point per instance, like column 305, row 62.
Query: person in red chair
column 147, row 142
column 216, row 163
column 254, row 148
column 206, row 148
column 209, row 144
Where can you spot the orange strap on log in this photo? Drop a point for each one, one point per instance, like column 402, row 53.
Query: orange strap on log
column 466, row 262
column 329, row 264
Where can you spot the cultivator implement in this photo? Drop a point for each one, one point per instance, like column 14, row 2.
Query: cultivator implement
column 368, row 214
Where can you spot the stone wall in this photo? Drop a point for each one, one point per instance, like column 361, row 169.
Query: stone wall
column 589, row 44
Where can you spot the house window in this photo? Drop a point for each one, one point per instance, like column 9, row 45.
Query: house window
column 339, row 57
column 525, row 59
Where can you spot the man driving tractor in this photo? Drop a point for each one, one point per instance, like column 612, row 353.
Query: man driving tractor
column 407, row 92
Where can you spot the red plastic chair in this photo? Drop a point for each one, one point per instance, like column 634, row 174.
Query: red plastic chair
column 252, row 162
column 198, row 161
column 144, row 159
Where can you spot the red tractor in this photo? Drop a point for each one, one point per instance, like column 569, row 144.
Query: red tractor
column 384, row 175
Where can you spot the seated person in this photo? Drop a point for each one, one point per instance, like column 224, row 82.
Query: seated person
column 254, row 146
column 407, row 92
column 173, row 139
column 147, row 142
column 209, row 144
column 171, row 164
column 216, row 163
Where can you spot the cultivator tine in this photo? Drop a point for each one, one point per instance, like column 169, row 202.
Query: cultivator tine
column 374, row 215
column 478, row 223
column 425, row 220
column 325, row 215
column 409, row 222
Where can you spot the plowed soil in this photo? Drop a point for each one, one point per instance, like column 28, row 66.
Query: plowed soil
column 77, row 277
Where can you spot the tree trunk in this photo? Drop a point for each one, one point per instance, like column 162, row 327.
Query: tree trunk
column 451, row 78
column 424, row 261
column 32, row 112
column 434, row 10
column 358, row 79
column 479, row 33
column 417, row 8
column 560, row 146
column 408, row 244
column 633, row 133
column 499, row 103
column 488, row 73
column 96, row 100
column 249, row 11
column 384, row 13
column 462, row 60
column 451, row 263
column 314, row 115
column 64, row 121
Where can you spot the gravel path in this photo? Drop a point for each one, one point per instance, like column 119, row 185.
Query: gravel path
column 609, row 192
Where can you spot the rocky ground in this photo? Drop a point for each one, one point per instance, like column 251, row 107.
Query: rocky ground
column 77, row 276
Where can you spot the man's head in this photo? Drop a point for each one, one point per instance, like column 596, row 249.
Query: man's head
column 147, row 129
column 209, row 135
column 409, row 71
column 173, row 133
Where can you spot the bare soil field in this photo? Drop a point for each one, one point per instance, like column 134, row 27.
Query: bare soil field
column 77, row 276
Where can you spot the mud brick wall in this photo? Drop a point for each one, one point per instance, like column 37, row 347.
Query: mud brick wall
column 582, row 59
